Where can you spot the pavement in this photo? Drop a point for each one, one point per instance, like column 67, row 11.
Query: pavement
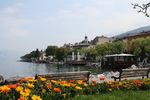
column 108, row 78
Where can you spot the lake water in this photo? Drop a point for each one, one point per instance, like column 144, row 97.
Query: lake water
column 28, row 69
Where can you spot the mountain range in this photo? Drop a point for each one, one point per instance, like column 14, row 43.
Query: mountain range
column 8, row 55
column 135, row 31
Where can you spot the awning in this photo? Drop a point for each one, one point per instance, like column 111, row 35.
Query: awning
column 120, row 55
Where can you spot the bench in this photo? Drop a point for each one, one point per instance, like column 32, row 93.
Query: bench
column 67, row 76
column 125, row 73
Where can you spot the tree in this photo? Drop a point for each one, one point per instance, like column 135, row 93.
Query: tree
column 26, row 56
column 75, row 51
column 91, row 53
column 37, row 54
column 51, row 50
column 142, row 8
column 61, row 53
column 118, row 47
column 108, row 48
column 33, row 54
column 84, row 50
column 104, row 49
column 141, row 47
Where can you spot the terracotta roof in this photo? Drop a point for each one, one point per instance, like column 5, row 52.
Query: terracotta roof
column 139, row 34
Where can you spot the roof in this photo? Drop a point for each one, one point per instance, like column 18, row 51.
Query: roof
column 121, row 55
column 82, row 44
column 140, row 34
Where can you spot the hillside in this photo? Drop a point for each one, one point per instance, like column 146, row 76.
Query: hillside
column 138, row 30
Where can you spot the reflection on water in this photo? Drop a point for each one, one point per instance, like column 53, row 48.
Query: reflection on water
column 9, row 69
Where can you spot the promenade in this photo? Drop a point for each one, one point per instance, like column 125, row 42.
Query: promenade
column 108, row 78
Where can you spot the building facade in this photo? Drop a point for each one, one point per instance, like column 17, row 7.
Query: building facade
column 129, row 38
column 139, row 35
column 102, row 40
column 87, row 44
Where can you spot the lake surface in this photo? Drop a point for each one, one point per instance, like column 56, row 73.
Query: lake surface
column 28, row 69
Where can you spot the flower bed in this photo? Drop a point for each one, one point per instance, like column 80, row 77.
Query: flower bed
column 43, row 89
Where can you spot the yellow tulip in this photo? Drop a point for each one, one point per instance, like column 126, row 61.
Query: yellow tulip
column 4, row 89
column 30, row 85
column 34, row 97
column 78, row 88
column 43, row 79
column 18, row 89
column 24, row 93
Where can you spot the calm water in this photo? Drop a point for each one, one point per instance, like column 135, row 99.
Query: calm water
column 13, row 68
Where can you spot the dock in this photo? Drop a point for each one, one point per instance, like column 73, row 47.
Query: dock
column 74, row 62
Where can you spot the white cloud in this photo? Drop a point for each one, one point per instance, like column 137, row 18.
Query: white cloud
column 18, row 32
column 131, row 20
column 121, row 23
column 9, row 10
column 79, row 13
column 64, row 11
column 12, row 10
column 11, row 27
column 77, row 4
column 68, row 14
column 9, row 21
column 105, row 3
column 48, row 19
column 19, row 5
column 72, row 15
column 90, row 11
column 12, row 33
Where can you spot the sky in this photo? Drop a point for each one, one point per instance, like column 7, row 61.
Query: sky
column 27, row 25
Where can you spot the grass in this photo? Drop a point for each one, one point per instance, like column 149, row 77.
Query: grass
column 117, row 95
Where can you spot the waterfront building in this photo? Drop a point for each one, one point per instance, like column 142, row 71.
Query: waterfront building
column 101, row 40
column 87, row 44
column 68, row 46
column 129, row 38
column 83, row 44
column 143, row 34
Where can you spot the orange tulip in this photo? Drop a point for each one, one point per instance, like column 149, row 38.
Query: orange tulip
column 125, row 79
column 49, row 87
column 86, row 79
column 143, row 82
column 93, row 81
column 30, row 78
column 102, row 78
column 39, row 76
column 11, row 86
column 72, row 81
column 57, row 89
column 90, row 91
column 93, row 84
column 51, row 76
column 21, row 99
column 18, row 84
column 22, row 80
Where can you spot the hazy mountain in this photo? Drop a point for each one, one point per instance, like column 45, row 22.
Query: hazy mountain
column 8, row 55
column 135, row 31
